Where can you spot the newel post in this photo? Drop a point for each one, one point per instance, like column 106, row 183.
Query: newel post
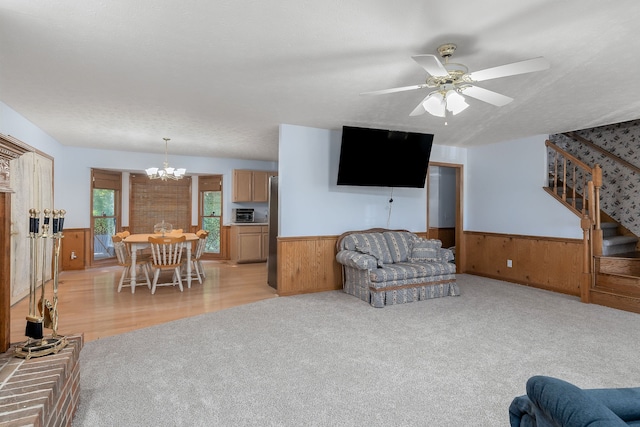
column 587, row 260
column 594, row 195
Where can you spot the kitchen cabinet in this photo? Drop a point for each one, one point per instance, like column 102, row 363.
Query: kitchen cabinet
column 249, row 243
column 251, row 185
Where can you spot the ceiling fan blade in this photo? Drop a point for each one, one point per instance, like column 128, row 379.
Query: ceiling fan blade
column 395, row 89
column 522, row 67
column 431, row 64
column 486, row 95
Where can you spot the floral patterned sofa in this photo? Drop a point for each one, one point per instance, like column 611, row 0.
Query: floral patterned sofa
column 384, row 267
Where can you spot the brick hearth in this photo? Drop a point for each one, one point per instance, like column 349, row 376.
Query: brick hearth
column 42, row 391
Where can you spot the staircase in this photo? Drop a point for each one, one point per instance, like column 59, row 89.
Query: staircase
column 611, row 263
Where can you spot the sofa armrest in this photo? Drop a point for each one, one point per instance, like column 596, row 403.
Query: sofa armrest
column 357, row 260
column 624, row 402
column 553, row 402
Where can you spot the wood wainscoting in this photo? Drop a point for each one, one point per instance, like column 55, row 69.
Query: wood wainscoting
column 553, row 264
column 308, row 264
column 75, row 249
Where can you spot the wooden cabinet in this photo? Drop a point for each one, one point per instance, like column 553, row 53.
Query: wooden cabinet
column 251, row 186
column 249, row 243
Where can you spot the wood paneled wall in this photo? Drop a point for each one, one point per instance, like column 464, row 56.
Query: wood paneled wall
column 542, row 262
column 308, row 264
column 76, row 241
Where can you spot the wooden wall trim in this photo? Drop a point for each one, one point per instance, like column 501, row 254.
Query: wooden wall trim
column 524, row 236
column 5, row 271
column 549, row 263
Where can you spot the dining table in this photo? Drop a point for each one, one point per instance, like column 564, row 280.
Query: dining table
column 137, row 242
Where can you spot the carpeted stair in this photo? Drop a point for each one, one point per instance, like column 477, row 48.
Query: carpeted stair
column 613, row 243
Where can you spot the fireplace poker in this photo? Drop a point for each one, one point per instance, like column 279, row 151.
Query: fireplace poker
column 34, row 324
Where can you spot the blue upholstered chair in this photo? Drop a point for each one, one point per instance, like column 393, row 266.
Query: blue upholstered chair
column 551, row 402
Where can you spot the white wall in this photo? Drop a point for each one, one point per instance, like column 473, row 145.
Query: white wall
column 502, row 184
column 503, row 192
column 73, row 165
column 312, row 204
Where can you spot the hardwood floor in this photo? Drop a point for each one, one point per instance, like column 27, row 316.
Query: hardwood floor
column 88, row 300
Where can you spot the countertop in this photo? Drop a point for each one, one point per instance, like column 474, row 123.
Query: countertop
column 247, row 223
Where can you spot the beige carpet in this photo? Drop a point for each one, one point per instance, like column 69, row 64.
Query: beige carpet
column 329, row 359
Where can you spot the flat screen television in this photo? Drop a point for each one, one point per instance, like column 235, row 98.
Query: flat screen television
column 383, row 158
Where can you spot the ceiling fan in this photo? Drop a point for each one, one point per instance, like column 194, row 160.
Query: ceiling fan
column 450, row 81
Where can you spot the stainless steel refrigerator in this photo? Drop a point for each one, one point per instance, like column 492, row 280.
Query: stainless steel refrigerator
column 272, row 220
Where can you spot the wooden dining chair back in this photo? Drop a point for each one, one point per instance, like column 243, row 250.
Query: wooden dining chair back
column 166, row 253
column 124, row 260
column 197, row 270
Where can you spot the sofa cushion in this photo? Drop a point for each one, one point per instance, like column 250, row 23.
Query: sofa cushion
column 376, row 242
column 425, row 250
column 406, row 271
column 399, row 243
column 368, row 250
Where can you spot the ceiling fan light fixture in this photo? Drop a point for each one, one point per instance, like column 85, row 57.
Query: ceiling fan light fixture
column 455, row 102
column 435, row 104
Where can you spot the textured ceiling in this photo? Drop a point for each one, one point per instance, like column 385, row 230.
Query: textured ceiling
column 218, row 77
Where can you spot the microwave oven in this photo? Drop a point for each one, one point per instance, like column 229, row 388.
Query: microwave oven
column 243, row 215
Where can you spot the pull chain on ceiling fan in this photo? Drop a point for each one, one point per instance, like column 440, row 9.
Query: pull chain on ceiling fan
column 450, row 81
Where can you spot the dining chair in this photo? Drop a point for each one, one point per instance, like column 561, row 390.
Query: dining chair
column 166, row 253
column 197, row 270
column 124, row 260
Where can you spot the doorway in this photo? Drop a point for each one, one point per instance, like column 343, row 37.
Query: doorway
column 210, row 213
column 105, row 213
column 444, row 208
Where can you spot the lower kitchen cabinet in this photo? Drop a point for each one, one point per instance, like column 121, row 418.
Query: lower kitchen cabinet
column 249, row 243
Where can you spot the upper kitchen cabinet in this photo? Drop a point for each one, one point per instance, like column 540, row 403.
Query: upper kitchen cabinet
column 251, row 186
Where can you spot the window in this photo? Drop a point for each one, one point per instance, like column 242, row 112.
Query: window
column 154, row 201
column 105, row 212
column 210, row 212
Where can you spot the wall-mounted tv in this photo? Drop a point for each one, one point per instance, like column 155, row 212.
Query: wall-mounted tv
column 383, row 158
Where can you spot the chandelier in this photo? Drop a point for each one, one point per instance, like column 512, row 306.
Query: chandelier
column 166, row 172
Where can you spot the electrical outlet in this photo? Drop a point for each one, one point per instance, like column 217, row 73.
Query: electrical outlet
column 509, row 263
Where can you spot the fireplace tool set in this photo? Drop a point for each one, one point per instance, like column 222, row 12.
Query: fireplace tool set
column 43, row 313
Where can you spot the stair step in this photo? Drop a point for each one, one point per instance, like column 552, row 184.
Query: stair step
column 628, row 286
column 618, row 244
column 627, row 264
column 609, row 229
column 620, row 302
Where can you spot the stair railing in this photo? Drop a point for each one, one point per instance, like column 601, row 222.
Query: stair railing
column 569, row 175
